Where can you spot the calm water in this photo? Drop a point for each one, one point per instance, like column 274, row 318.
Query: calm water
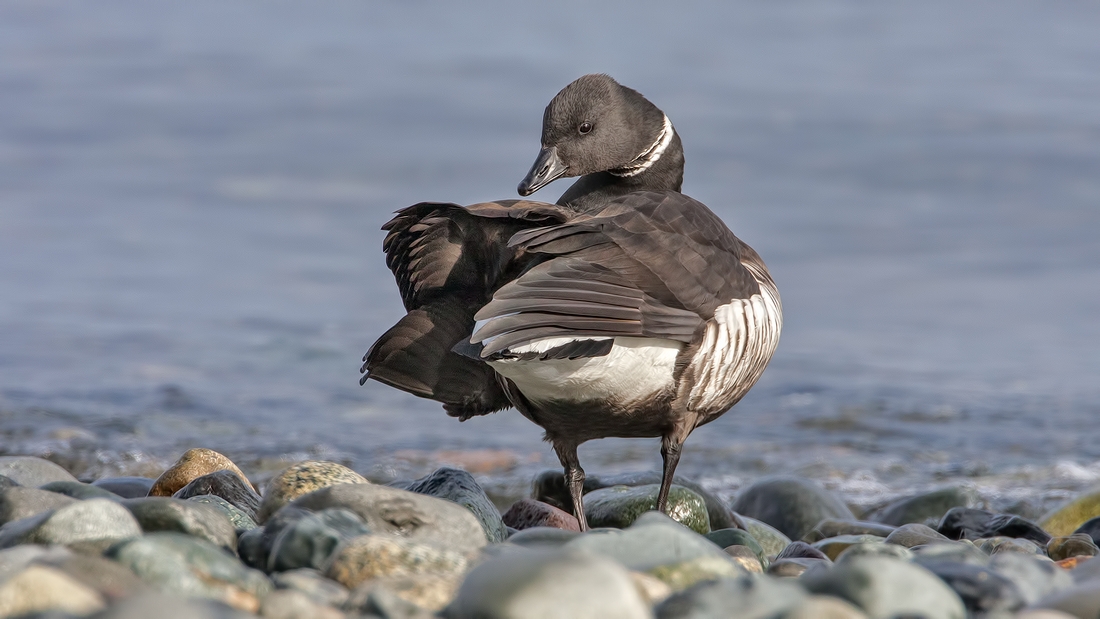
column 190, row 197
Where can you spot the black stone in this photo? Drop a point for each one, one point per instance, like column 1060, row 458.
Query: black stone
column 967, row 523
column 126, row 487
column 227, row 485
column 460, row 487
column 1092, row 529
column 982, row 590
column 311, row 540
column 790, row 504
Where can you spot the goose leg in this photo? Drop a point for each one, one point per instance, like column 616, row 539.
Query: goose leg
column 574, row 480
column 670, row 452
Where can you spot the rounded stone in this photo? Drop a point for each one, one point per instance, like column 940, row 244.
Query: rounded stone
column 1081, row 600
column 126, row 487
column 241, row 521
column 424, row 592
column 301, row 479
column 529, row 513
column 955, row 552
column 790, row 504
column 420, row 518
column 831, row 527
column 376, row 556
column 192, row 464
column 113, row 581
column 79, row 491
column 168, row 606
column 771, row 539
column 1066, row 518
column 196, row 519
column 1091, row 528
column 997, row 545
column 458, row 486
column 746, row 558
column 310, row 541
column 910, row 535
column 551, row 584
column 40, row 588
column 93, row 523
column 1076, row 545
column 884, row 587
column 880, row 549
column 795, row 567
column 542, row 536
column 32, row 472
column 752, row 597
column 1034, row 577
column 290, row 604
column 619, row 506
column 313, row 584
column 18, row 502
column 968, row 523
column 224, row 484
column 833, row 546
column 925, row 507
column 982, row 590
column 823, row 607
column 801, row 550
column 724, row 538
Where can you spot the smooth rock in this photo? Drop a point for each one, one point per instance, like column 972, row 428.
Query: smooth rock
column 290, row 604
column 378, row 556
column 251, row 550
column 884, row 588
column 997, row 545
column 313, row 584
column 746, row 559
column 381, row 603
column 422, row 519
column 661, row 547
column 311, row 540
column 619, row 506
column 167, row 606
column 32, row 472
column 981, row 589
column 951, row 552
column 40, row 588
column 429, row 591
column 529, row 513
column 1042, row 613
column 801, row 550
column 771, row 539
column 16, row 559
column 653, row 591
column 193, row 464
column 925, row 507
column 1064, row 519
column 7, row 482
column 749, row 597
column 227, row 485
column 79, row 490
column 833, row 546
column 968, row 523
column 1081, row 600
column 18, row 502
column 1034, row 577
column 823, row 607
column 301, row 479
column 549, row 584
column 878, row 549
column 241, row 521
column 111, row 580
column 543, row 536
column 790, row 504
column 458, row 486
column 1076, row 545
column 724, row 538
column 186, row 565
column 95, row 523
column 126, row 487
column 831, row 527
column 1072, row 562
column 1091, row 528
column 910, row 535
column 196, row 519
column 795, row 567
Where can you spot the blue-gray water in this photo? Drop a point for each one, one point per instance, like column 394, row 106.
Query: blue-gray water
column 190, row 196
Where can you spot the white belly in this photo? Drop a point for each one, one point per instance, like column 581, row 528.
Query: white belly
column 635, row 369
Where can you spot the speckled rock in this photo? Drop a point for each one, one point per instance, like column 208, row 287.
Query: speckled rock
column 771, row 539
column 42, row 588
column 32, row 472
column 833, row 546
column 79, row 491
column 290, row 604
column 224, row 484
column 18, row 502
column 753, row 598
column 186, row 565
column 1034, row 577
column 169, row 514
column 968, row 523
column 823, row 607
column 126, row 487
column 1066, row 518
column 884, row 587
column 659, row 546
column 997, row 545
column 551, row 584
column 428, row 592
column 910, row 535
column 311, row 540
column 193, row 464
column 458, row 486
column 91, row 524
column 981, row 589
column 529, row 513
column 880, row 549
column 313, row 584
column 542, row 537
column 1076, row 545
column 241, row 521
column 301, row 479
column 924, row 508
column 619, row 506
column 549, row 487
column 725, row 538
column 421, row 519
column 377, row 556
column 791, row 504
column 831, row 527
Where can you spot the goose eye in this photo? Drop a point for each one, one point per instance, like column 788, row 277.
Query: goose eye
column 585, row 127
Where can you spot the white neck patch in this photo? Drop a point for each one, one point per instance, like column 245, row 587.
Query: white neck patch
column 649, row 156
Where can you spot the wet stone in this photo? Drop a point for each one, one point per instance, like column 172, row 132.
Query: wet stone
column 300, row 479
column 18, row 502
column 250, row 548
column 997, row 545
column 91, row 524
column 771, row 540
column 619, row 506
column 14, row 560
column 968, row 523
column 1067, row 517
column 126, row 487
column 32, row 472
column 542, row 536
column 313, row 584
column 877, row 549
column 168, row 606
column 193, row 464
column 952, row 552
column 1081, row 600
column 833, row 546
column 227, row 485
column 196, row 519
column 795, row 567
column 790, row 504
column 823, row 607
column 747, row 559
column 1076, row 545
column 724, row 538
column 460, row 487
column 241, row 521
column 430, row 592
column 923, row 508
column 981, row 589
column 910, row 535
column 1034, row 577
column 41, row 588
column 834, row 528
column 885, row 587
column 751, row 597
column 653, row 591
column 369, row 557
column 801, row 550
column 548, row 583
column 79, row 491
column 290, row 604
column 7, row 482
column 311, row 540
column 111, row 580
column 529, row 513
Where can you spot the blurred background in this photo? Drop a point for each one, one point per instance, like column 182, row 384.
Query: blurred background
column 190, row 197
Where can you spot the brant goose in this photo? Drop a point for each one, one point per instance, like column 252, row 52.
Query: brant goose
column 626, row 309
